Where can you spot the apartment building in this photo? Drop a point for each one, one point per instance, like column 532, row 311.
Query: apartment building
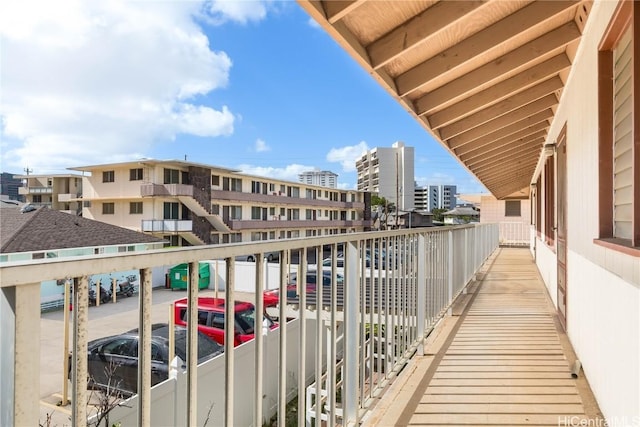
column 318, row 177
column 431, row 197
column 59, row 192
column 389, row 172
column 9, row 186
column 192, row 204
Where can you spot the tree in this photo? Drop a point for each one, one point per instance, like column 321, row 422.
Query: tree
column 387, row 207
column 437, row 214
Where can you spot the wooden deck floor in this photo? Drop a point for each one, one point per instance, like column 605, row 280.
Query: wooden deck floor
column 504, row 363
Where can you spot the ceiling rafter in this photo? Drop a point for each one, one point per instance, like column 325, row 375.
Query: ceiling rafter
column 534, row 51
column 509, row 172
column 460, row 144
column 338, row 9
column 417, row 30
column 498, row 92
column 506, row 106
column 521, row 113
column 527, row 147
column 518, row 154
column 521, row 138
column 477, row 45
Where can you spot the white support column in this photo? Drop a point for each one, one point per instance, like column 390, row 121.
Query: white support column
column 422, row 291
column 27, row 355
column 259, row 333
column 144, row 348
column 229, row 344
column 282, row 343
column 351, row 303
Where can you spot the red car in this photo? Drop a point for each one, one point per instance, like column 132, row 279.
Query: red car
column 211, row 318
column 271, row 298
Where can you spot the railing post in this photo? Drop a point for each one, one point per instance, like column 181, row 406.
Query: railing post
column 26, row 362
column 450, row 271
column 192, row 343
column 229, row 342
column 351, row 303
column 144, row 348
column 80, row 340
column 422, row 291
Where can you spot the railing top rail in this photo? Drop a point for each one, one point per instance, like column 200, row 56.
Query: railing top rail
column 15, row 273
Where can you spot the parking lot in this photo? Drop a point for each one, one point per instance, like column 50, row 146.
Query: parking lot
column 104, row 320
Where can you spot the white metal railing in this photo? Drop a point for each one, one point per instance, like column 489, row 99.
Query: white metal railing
column 514, row 233
column 166, row 225
column 361, row 332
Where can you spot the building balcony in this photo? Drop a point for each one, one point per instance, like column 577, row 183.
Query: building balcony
column 274, row 223
column 68, row 197
column 280, row 198
column 429, row 315
column 174, row 190
column 35, row 190
column 166, row 225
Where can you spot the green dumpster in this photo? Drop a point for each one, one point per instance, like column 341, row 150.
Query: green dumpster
column 179, row 276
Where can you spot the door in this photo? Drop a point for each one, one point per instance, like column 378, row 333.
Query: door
column 562, row 228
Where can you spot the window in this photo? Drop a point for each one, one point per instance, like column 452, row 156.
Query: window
column 171, row 176
column 549, row 201
column 512, row 208
column 135, row 174
column 170, row 210
column 235, row 212
column 215, row 180
column 135, row 207
column 256, row 212
column 108, row 176
column 108, row 208
column 619, row 156
column 37, row 198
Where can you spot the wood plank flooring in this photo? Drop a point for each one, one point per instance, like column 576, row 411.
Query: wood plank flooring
column 506, row 365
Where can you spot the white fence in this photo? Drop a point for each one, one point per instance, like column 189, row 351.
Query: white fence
column 515, row 234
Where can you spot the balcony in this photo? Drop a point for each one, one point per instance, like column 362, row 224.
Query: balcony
column 238, row 225
column 350, row 348
column 166, row 225
column 174, row 190
column 281, row 199
column 35, row 190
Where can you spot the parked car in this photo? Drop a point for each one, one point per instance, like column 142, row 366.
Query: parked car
column 211, row 318
column 312, row 277
column 113, row 361
column 270, row 256
column 271, row 298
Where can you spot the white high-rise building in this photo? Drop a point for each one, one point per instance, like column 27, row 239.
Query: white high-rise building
column 431, row 197
column 389, row 172
column 318, row 177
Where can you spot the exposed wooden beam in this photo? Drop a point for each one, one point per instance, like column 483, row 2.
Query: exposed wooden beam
column 515, row 155
column 338, row 9
column 478, row 44
column 492, row 71
column 534, row 145
column 497, row 92
column 502, row 193
column 474, row 141
column 507, row 119
column 519, row 138
column 506, row 173
column 417, row 30
column 503, row 107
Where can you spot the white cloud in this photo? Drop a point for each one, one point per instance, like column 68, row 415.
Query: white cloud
column 436, row 178
column 240, row 11
column 288, row 173
column 84, row 82
column 261, row 146
column 347, row 156
column 313, row 23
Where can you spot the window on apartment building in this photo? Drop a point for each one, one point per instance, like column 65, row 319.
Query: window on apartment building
column 215, row 180
column 135, row 174
column 256, row 212
column 215, row 209
column 309, row 214
column 108, row 208
column 272, row 211
column 108, row 176
column 512, row 208
column 171, row 210
column 235, row 212
column 37, row 198
column 619, row 157
column 171, row 176
column 256, row 187
column 549, row 200
column 135, row 207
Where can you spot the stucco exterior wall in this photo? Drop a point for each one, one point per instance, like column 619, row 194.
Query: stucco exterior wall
column 603, row 285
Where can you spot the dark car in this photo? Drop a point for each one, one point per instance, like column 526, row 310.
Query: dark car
column 113, row 361
column 312, row 277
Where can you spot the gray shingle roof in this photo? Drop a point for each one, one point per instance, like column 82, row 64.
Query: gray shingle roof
column 46, row 229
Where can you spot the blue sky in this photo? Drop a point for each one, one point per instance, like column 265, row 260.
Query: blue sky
column 241, row 84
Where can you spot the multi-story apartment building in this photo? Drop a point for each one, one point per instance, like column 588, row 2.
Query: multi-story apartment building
column 190, row 204
column 59, row 192
column 9, row 186
column 431, row 197
column 389, row 172
column 318, row 177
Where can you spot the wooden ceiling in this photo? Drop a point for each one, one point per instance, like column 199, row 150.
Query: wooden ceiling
column 483, row 77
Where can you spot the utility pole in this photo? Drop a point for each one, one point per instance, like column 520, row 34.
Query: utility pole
column 27, row 170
